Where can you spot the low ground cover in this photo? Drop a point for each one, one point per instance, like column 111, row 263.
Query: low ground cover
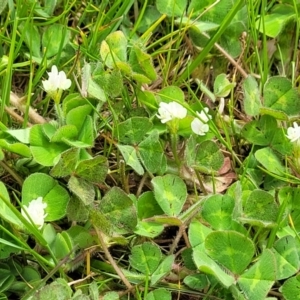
column 149, row 149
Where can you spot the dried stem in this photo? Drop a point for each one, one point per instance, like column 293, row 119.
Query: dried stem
column 33, row 115
column 111, row 260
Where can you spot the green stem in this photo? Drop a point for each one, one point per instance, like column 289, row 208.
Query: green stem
column 59, row 114
column 281, row 212
column 174, row 139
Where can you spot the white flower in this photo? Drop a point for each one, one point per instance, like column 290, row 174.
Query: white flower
column 57, row 81
column 199, row 127
column 35, row 210
column 203, row 115
column 293, row 133
column 170, row 111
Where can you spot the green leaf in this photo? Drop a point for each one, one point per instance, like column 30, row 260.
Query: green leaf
column 66, row 164
column 171, row 93
column 222, row 86
column 259, row 131
column 53, row 37
column 148, row 229
column 147, row 206
column 198, row 233
column 141, row 63
column 163, row 269
column 3, row 4
column 285, row 251
column 77, row 211
column 133, row 130
column 113, row 49
column 291, row 288
column 205, row 264
column 131, row 159
column 55, row 196
column 81, row 236
column 43, row 151
column 230, row 249
column 5, row 211
column 150, row 16
column 217, row 211
column 111, row 296
column 260, row 209
column 159, row 294
column 279, row 115
column 205, row 156
column 17, row 148
column 264, row 132
column 152, row 154
column 196, row 281
column 145, row 258
column 280, row 95
column 77, row 116
column 64, row 132
column 257, row 281
column 22, row 135
column 252, row 102
column 6, row 279
column 86, row 134
column 280, row 15
column 62, row 245
column 83, row 189
column 148, row 99
column 31, row 37
column 270, row 161
column 94, row 169
column 215, row 15
column 170, row 193
column 49, row 6
column 172, row 8
column 89, row 86
column 56, row 290
column 119, row 210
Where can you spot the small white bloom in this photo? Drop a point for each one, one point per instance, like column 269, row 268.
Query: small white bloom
column 293, row 133
column 57, row 81
column 35, row 210
column 170, row 111
column 203, row 115
column 199, row 127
